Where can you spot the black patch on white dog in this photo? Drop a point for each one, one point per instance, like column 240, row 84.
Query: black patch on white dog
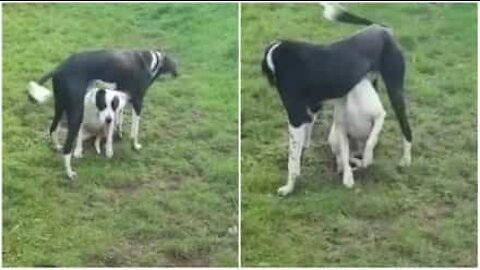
column 101, row 100
column 115, row 103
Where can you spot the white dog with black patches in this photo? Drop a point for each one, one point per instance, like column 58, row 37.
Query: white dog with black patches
column 358, row 120
column 102, row 111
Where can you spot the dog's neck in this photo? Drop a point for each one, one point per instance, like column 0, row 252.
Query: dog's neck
column 153, row 62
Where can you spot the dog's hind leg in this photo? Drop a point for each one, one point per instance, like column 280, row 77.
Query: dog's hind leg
column 398, row 104
column 339, row 118
column 54, row 126
column 367, row 157
column 392, row 70
column 74, row 118
column 312, row 110
column 308, row 131
column 407, row 154
column 78, row 152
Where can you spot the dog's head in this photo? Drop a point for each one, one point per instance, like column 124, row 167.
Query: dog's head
column 167, row 64
column 106, row 101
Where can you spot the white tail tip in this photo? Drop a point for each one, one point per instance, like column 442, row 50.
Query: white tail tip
column 332, row 10
column 38, row 93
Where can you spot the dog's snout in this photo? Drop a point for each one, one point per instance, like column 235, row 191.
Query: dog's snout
column 108, row 120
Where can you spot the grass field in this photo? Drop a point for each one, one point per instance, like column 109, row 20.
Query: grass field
column 425, row 215
column 173, row 203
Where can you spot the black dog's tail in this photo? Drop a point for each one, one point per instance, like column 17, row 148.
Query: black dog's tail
column 267, row 71
column 336, row 13
column 36, row 92
column 45, row 77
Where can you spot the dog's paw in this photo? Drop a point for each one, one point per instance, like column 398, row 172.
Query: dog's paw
column 306, row 145
column 355, row 163
column 338, row 165
column 348, row 179
column 136, row 146
column 71, row 175
column 339, row 168
column 98, row 145
column 367, row 159
column 109, row 153
column 285, row 190
column 354, row 167
column 58, row 148
column 406, row 161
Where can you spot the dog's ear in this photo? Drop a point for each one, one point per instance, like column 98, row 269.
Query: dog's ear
column 119, row 101
column 101, row 99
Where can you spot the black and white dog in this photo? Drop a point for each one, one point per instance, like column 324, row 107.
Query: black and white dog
column 102, row 104
column 102, row 107
column 133, row 71
column 306, row 75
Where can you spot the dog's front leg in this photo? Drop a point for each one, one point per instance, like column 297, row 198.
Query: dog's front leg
column 55, row 140
column 74, row 120
column 309, row 130
column 98, row 141
column 78, row 151
column 345, row 156
column 344, row 147
column 296, row 141
column 367, row 158
column 333, row 141
column 135, row 126
column 109, row 141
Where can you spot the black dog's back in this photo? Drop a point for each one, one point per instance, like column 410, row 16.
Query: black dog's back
column 109, row 66
column 307, row 74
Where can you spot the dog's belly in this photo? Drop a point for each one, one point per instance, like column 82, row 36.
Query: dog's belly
column 361, row 107
column 360, row 129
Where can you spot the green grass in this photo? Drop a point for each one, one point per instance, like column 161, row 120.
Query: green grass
column 173, row 203
column 425, row 215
